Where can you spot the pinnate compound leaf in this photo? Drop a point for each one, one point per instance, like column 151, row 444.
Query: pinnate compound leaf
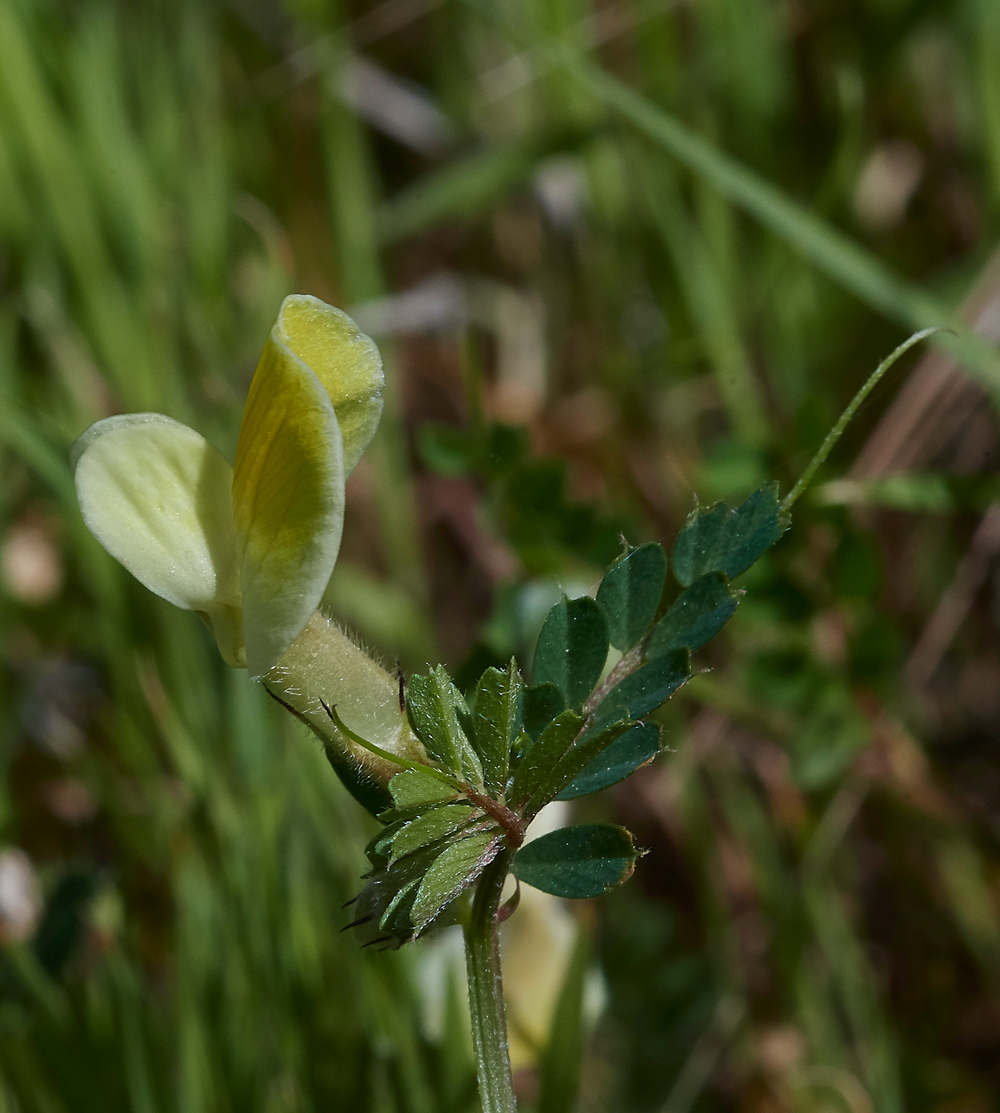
column 695, row 616
column 414, row 787
column 539, row 761
column 431, row 826
column 630, row 751
column 572, row 648
column 643, row 691
column 630, row 593
column 436, row 710
column 453, row 871
column 496, row 723
column 718, row 539
column 540, row 704
column 577, row 862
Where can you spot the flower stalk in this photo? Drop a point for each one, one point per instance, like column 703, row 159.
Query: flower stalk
column 486, row 1002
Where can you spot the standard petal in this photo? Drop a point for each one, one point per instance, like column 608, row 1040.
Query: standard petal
column 344, row 360
column 157, row 496
column 288, row 502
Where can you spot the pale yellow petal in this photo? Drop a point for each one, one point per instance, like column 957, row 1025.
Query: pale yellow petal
column 288, row 502
column 344, row 360
column 157, row 496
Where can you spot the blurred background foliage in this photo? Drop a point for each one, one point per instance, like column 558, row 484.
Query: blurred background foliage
column 580, row 332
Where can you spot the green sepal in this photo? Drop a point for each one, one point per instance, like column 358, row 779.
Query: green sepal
column 539, row 761
column 577, row 862
column 413, row 788
column 540, row 704
column 370, row 793
column 695, row 616
column 496, row 724
column 642, row 692
column 452, row 872
column 630, row 594
column 718, row 539
column 572, row 648
column 627, row 753
column 438, row 713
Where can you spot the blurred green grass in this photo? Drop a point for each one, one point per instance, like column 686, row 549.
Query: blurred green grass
column 816, row 926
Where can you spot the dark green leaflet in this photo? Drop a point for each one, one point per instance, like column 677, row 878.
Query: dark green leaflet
column 695, row 616
column 630, row 751
column 554, row 741
column 643, row 691
column 630, row 594
column 540, row 704
column 577, row 862
column 572, row 648
column 571, row 763
column 496, row 723
column 718, row 539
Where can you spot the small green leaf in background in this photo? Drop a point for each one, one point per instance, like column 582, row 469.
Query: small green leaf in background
column 435, row 706
column 452, row 872
column 431, row 826
column 540, row 704
column 629, row 752
column 577, row 862
column 644, row 690
column 718, row 539
column 572, row 648
column 446, row 449
column 695, row 616
column 496, row 723
column 553, row 742
column 413, row 787
column 630, row 593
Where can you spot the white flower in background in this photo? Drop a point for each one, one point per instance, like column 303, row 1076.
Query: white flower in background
column 20, row 896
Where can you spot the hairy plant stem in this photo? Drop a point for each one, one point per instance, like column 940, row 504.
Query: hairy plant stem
column 486, row 1004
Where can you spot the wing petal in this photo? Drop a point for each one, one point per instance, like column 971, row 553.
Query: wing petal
column 157, row 496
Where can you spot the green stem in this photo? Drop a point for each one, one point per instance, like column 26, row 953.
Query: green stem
column 835, row 433
column 489, row 1021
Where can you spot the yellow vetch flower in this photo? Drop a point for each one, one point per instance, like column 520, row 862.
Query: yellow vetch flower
column 251, row 548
